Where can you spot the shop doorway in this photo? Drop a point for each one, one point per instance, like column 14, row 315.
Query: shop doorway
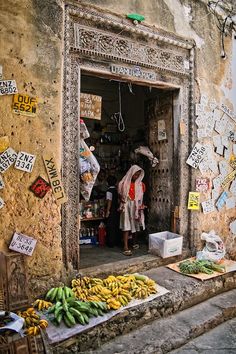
column 133, row 115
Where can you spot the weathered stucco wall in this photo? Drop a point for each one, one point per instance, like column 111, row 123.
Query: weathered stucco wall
column 31, row 40
column 31, row 53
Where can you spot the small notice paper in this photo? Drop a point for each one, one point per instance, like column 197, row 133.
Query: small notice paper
column 196, row 155
column 161, row 127
column 1, row 203
column 90, row 106
column 193, row 201
column 55, row 179
column 8, row 87
column 208, row 206
column 25, row 161
column 202, row 184
column 2, row 185
column 23, row 244
column 7, row 158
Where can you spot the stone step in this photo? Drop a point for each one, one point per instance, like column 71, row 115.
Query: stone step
column 167, row 334
column 131, row 265
column 184, row 292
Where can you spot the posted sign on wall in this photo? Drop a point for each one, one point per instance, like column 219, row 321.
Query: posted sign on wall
column 90, row 106
column 55, row 179
column 24, row 104
column 7, row 158
column 23, row 244
column 8, row 87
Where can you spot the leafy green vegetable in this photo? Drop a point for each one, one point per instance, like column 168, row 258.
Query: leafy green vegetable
column 200, row 266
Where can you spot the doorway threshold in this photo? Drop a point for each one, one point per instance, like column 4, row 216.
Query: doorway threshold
column 131, row 265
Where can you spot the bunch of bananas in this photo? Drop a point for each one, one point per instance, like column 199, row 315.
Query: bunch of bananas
column 60, row 293
column 116, row 291
column 72, row 311
column 42, row 304
column 33, row 323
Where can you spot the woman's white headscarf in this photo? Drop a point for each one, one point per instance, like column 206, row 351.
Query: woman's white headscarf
column 124, row 186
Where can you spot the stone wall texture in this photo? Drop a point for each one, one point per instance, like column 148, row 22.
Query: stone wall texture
column 31, row 39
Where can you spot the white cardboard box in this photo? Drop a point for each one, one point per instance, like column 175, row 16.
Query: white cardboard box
column 165, row 244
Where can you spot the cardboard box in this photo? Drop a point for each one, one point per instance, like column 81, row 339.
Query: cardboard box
column 165, row 244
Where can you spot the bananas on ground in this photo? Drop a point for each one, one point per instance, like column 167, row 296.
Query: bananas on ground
column 33, row 323
column 59, row 293
column 42, row 304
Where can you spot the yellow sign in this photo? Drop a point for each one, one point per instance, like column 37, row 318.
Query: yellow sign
column 24, row 104
column 193, row 201
column 55, row 179
column 4, row 143
column 232, row 162
column 228, row 178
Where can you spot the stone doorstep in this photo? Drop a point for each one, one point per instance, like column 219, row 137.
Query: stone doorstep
column 131, row 265
column 185, row 292
column 173, row 332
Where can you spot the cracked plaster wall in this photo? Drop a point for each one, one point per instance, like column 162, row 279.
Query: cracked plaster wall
column 32, row 37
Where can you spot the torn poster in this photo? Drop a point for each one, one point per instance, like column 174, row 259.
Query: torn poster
column 202, row 184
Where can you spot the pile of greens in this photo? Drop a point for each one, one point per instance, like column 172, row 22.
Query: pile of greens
column 199, row 266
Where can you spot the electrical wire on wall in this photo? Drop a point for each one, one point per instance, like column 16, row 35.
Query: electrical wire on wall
column 117, row 117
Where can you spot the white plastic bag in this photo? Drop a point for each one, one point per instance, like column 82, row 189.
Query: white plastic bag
column 214, row 249
column 89, row 169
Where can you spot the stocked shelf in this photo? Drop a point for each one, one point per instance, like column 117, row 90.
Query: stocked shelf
column 91, row 219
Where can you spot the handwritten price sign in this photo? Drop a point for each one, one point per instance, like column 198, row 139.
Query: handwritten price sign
column 23, row 244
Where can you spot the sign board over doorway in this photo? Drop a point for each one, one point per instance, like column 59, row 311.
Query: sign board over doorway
column 90, row 106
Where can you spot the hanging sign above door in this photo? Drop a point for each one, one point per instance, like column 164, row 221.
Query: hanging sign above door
column 90, row 106
column 136, row 71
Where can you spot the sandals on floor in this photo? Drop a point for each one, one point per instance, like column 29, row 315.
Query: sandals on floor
column 127, row 253
column 136, row 246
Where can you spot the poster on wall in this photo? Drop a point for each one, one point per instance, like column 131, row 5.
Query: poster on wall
column 7, row 158
column 4, row 143
column 202, row 184
column 25, row 161
column 24, row 104
column 90, row 106
column 8, row 87
column 40, row 187
column 55, row 179
column 23, row 244
column 221, row 201
column 197, row 155
column 161, row 128
column 193, row 201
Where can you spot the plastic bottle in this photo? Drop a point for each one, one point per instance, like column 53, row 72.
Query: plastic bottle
column 102, row 234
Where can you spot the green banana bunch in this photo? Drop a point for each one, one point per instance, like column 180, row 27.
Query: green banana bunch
column 73, row 311
column 59, row 293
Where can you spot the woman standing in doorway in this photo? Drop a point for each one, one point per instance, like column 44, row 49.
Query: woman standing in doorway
column 131, row 190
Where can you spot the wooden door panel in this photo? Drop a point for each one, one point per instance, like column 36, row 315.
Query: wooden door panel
column 161, row 177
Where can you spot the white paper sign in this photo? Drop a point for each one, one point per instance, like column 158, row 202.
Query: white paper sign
column 230, row 203
column 220, row 125
column 220, row 150
column 8, row 87
column 208, row 206
column 7, row 158
column 25, row 161
column 215, row 194
column 204, row 100
column 233, row 187
column 217, row 182
column 204, row 166
column 196, row 155
column 2, row 184
column 1, row 203
column 228, row 111
column 234, row 149
column 161, row 127
column 199, row 109
column 213, row 166
column 217, row 114
column 225, row 141
column 213, row 104
column 23, row 244
column 224, row 168
column 201, row 133
column 232, row 227
column 228, row 152
column 200, row 121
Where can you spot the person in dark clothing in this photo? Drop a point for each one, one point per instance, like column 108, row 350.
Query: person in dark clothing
column 112, row 214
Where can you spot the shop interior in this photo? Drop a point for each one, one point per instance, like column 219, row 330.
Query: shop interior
column 123, row 127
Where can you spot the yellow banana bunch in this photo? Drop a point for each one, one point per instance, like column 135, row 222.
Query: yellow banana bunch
column 43, row 324
column 33, row 331
column 113, row 304
column 42, row 304
column 96, row 289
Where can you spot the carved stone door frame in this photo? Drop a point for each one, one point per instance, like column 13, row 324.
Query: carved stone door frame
column 93, row 41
